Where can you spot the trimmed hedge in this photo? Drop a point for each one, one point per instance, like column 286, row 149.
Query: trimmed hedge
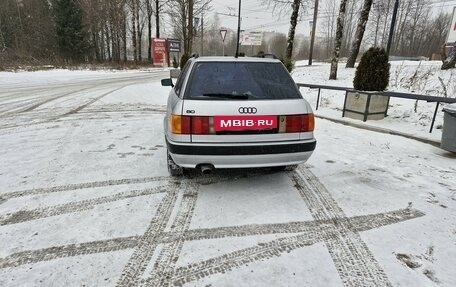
column 288, row 63
column 372, row 73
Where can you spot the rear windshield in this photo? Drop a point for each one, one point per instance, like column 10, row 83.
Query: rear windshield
column 240, row 81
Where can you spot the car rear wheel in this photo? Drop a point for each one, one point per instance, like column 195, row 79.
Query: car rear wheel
column 173, row 168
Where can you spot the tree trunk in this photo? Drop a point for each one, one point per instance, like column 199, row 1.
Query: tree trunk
column 133, row 25
column 113, row 39
column 139, row 31
column 348, row 26
column 190, row 28
column 124, row 36
column 359, row 34
column 384, row 35
column 108, row 43
column 184, row 28
column 2, row 38
column 149, row 30
column 338, row 41
column 102, row 46
column 157, row 19
column 377, row 26
column 291, row 33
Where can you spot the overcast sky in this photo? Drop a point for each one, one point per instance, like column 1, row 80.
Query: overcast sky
column 257, row 17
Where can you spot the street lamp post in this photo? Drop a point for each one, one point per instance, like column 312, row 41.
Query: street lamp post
column 238, row 30
column 314, row 28
column 393, row 23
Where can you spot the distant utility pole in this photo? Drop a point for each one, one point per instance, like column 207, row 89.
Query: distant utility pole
column 190, row 28
column 238, row 30
column 202, row 33
column 393, row 23
column 314, row 28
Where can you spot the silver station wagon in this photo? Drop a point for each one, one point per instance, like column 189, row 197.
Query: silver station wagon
column 226, row 112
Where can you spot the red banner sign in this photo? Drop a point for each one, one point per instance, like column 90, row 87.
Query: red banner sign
column 241, row 123
column 160, row 51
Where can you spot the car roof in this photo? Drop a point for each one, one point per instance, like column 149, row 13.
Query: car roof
column 233, row 59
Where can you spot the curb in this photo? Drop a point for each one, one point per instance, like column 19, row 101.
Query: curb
column 380, row 130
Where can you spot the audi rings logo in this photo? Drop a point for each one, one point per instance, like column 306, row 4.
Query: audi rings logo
column 247, row 110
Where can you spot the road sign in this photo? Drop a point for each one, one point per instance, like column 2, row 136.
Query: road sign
column 223, row 34
column 252, row 38
column 159, row 51
column 196, row 21
column 174, row 45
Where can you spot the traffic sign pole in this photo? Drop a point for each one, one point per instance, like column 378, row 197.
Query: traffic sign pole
column 223, row 35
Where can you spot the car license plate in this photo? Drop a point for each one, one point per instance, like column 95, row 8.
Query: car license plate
column 242, row 123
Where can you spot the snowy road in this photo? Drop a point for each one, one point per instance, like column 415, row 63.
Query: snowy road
column 86, row 200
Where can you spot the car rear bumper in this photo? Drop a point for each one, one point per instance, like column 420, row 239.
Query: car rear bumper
column 241, row 155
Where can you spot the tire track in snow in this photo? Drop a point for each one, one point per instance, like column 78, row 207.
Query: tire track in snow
column 53, row 117
column 239, row 258
column 164, row 266
column 71, row 250
column 77, row 88
column 28, row 215
column 359, row 223
column 77, row 186
column 52, row 98
column 147, row 245
column 352, row 258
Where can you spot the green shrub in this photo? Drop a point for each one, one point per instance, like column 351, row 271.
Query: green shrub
column 184, row 60
column 372, row 73
column 288, row 63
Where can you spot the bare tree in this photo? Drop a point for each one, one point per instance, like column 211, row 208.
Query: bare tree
column 182, row 19
column 338, row 40
column 291, row 32
column 329, row 23
column 282, row 8
column 2, row 38
column 359, row 34
column 152, row 9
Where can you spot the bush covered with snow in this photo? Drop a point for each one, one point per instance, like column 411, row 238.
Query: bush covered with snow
column 373, row 71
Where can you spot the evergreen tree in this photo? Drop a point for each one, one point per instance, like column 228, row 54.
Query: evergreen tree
column 373, row 71
column 71, row 35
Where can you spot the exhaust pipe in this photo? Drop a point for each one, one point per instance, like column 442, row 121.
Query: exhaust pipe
column 207, row 168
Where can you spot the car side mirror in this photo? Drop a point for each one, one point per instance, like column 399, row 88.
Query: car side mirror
column 167, row 83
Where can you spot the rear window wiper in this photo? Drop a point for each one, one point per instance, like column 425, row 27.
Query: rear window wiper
column 228, row 96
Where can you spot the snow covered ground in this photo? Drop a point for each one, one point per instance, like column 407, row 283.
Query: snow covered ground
column 405, row 76
column 86, row 200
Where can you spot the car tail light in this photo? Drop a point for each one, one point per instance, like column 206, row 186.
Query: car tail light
column 300, row 123
column 180, row 124
column 189, row 125
column 200, row 125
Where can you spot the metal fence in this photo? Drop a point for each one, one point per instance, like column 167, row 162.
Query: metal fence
column 427, row 98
